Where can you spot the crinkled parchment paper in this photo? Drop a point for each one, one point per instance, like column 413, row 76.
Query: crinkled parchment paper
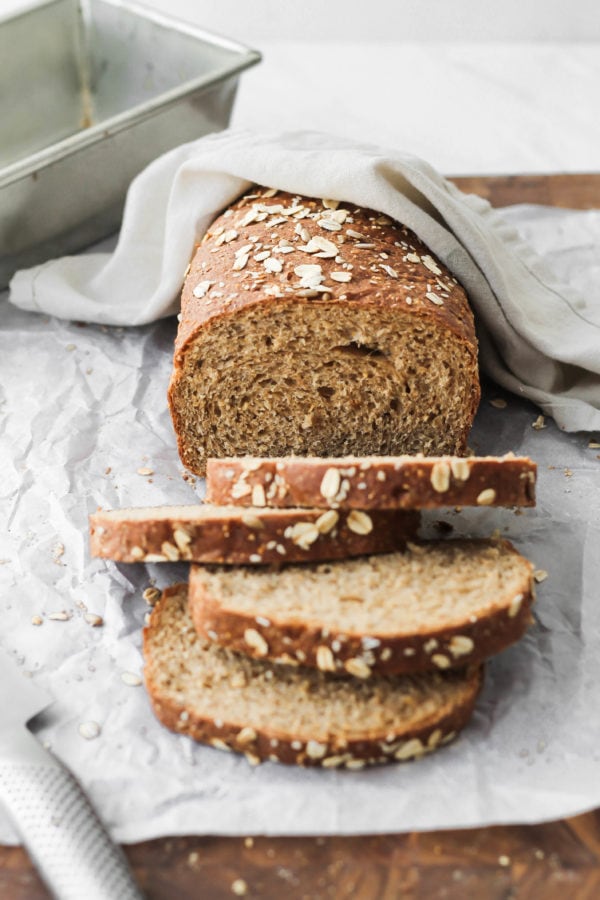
column 83, row 408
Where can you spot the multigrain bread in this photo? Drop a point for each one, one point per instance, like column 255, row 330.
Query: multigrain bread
column 384, row 482
column 315, row 328
column 291, row 714
column 225, row 534
column 438, row 605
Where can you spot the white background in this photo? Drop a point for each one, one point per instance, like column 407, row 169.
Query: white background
column 389, row 20
column 474, row 87
column 393, row 20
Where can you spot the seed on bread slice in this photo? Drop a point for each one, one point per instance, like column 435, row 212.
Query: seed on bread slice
column 251, row 536
column 437, row 605
column 376, row 482
column 293, row 714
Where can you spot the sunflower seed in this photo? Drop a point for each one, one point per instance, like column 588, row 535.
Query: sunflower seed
column 431, row 264
column 202, row 288
column 330, row 484
column 89, row 730
column 131, row 679
column 359, row 522
column 256, row 641
column 340, row 276
column 273, row 265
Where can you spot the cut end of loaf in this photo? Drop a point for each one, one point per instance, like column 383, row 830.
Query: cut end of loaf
column 321, row 379
column 290, row 714
column 316, row 331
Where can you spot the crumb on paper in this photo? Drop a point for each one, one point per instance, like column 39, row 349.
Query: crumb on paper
column 89, row 730
column 151, row 595
column 145, row 470
column 57, row 551
column 539, row 423
column 498, row 403
column 131, row 679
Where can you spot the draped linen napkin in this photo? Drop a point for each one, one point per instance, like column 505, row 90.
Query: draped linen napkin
column 538, row 338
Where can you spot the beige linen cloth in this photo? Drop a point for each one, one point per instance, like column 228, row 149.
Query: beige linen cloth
column 537, row 338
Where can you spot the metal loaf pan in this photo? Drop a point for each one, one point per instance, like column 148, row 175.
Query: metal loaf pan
column 90, row 92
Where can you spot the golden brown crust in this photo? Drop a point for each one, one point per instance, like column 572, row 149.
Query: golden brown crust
column 412, row 744
column 484, row 638
column 433, row 648
column 259, row 536
column 405, row 255
column 260, row 743
column 374, row 482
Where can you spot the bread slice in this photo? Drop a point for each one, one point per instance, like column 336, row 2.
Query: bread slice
column 384, row 482
column 438, row 605
column 221, row 534
column 291, row 714
column 318, row 331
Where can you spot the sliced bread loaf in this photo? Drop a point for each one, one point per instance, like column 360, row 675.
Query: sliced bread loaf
column 232, row 535
column 291, row 714
column 441, row 605
column 384, row 482
column 318, row 328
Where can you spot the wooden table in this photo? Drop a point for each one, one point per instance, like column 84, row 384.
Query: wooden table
column 556, row 861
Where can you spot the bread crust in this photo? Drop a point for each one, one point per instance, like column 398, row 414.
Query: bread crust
column 259, row 743
column 402, row 278
column 312, row 644
column 453, row 313
column 255, row 536
column 403, row 482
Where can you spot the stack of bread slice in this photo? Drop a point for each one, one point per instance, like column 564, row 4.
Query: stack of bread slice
column 316, row 628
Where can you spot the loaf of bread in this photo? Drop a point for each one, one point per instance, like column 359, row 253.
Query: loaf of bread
column 384, row 482
column 292, row 714
column 315, row 328
column 231, row 535
column 437, row 605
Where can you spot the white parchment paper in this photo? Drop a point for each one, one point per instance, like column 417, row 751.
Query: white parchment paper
column 82, row 408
